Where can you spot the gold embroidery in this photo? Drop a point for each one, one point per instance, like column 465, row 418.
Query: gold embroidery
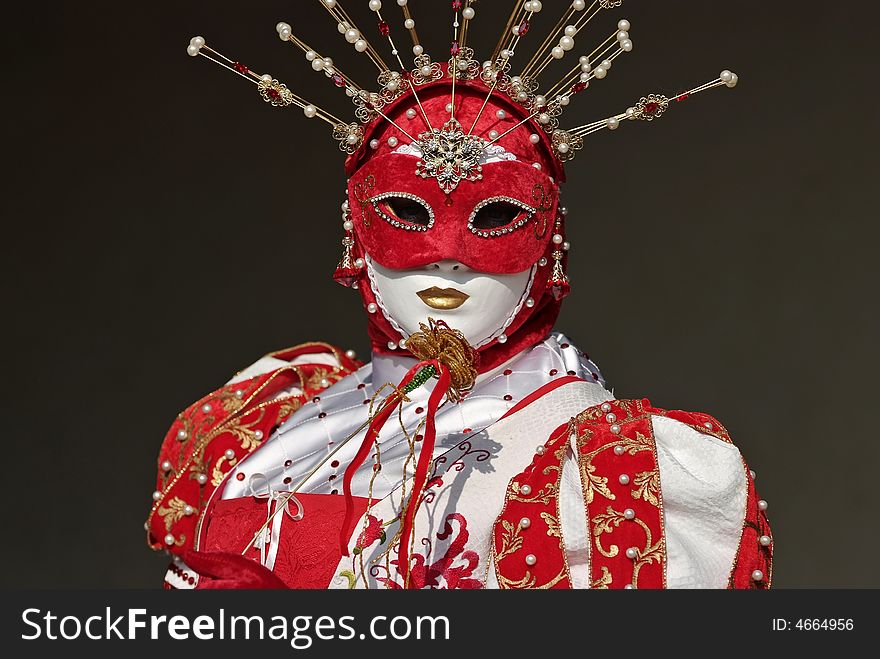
column 544, row 495
column 173, row 513
column 647, row 487
column 554, row 529
column 603, row 524
column 286, row 409
column 603, row 582
column 217, row 474
column 592, row 483
column 529, row 581
column 363, row 197
column 648, row 554
column 511, row 541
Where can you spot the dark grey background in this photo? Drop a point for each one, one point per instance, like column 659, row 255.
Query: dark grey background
column 163, row 228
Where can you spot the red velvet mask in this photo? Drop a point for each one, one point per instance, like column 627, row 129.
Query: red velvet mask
column 501, row 223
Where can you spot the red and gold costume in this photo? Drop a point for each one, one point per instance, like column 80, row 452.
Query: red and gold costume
column 475, row 450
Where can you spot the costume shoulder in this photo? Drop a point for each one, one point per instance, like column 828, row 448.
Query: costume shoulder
column 213, row 434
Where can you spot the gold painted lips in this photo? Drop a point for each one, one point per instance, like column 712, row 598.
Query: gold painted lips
column 443, row 298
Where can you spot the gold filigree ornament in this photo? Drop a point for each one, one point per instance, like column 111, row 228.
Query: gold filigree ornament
column 565, row 144
column 651, row 107
column 450, row 156
column 350, row 136
column 274, row 92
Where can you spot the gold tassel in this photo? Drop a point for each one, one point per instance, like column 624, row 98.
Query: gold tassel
column 437, row 340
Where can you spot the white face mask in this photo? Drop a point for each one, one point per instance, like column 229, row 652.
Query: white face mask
column 481, row 306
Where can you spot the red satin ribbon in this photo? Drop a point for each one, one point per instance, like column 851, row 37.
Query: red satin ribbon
column 426, row 454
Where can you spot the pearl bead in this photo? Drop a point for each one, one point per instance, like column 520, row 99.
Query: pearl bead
column 733, row 81
column 402, row 3
column 623, row 25
column 206, row 408
column 629, row 513
column 566, row 43
column 632, row 553
column 360, row 45
column 372, row 307
column 557, row 52
column 359, row 263
column 530, row 302
column 501, row 114
column 566, row 246
column 352, row 35
column 230, row 454
column 393, row 142
column 540, row 101
column 753, row 474
column 280, row 26
column 418, row 50
column 181, row 434
column 622, row 35
column 531, row 559
column 570, row 30
column 392, row 85
column 318, row 64
column 525, row 489
column 375, row 5
column 202, row 479
column 606, row 407
column 613, row 123
column 563, row 148
column 166, row 466
column 348, row 225
column 626, row 45
column 578, row 5
column 449, row 107
column 374, row 144
column 534, row 138
column 757, row 575
column 310, row 111
column 522, row 97
column 502, row 338
column 525, row 522
column 619, row 450
column 330, row 3
column 762, row 505
column 409, row 24
column 542, row 261
column 600, row 72
column 411, row 114
column 615, row 429
column 629, row 586
column 169, row 539
column 726, row 75
column 425, row 71
column 392, row 345
column 157, row 495
column 610, row 417
column 239, row 393
column 544, row 118
column 468, row 13
column 558, row 239
column 311, row 55
column 540, row 450
column 624, row 479
column 351, row 354
column 402, row 344
column 258, row 434
column 188, row 510
column 192, row 51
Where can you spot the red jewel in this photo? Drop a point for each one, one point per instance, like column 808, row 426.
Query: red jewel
column 651, row 107
column 682, row 97
column 559, row 290
column 334, row 491
column 419, row 438
column 361, row 385
column 523, row 28
column 578, row 87
column 553, row 371
column 455, row 50
column 191, row 581
column 241, row 68
column 586, row 355
column 508, row 397
column 338, row 80
column 322, row 415
column 287, row 464
column 334, row 464
column 456, row 5
column 287, row 480
column 448, row 201
column 466, row 430
column 507, row 371
column 366, row 402
column 377, row 467
column 564, row 346
column 273, row 94
column 332, row 477
column 316, row 399
column 239, row 476
column 571, row 373
column 419, row 410
column 596, row 376
column 384, row 30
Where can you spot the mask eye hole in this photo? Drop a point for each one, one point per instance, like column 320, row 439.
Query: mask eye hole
column 404, row 211
column 499, row 215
